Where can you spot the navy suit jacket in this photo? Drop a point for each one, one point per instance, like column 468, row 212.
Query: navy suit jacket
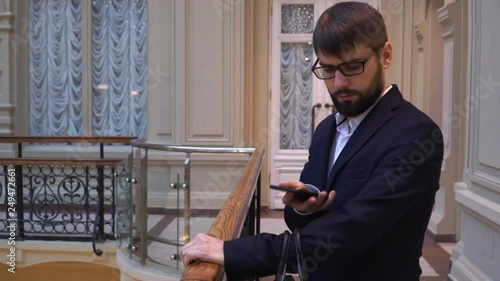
column 385, row 179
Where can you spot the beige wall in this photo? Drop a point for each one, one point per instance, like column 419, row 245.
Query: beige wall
column 257, row 91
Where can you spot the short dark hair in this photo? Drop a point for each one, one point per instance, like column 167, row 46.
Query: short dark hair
column 347, row 25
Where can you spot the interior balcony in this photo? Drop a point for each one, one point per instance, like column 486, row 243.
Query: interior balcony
column 122, row 218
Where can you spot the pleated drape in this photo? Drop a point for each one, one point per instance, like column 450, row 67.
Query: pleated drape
column 296, row 95
column 119, row 60
column 118, row 64
column 55, row 62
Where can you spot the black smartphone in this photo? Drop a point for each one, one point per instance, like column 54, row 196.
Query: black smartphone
column 300, row 194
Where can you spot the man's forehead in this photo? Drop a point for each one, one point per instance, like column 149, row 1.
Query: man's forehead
column 355, row 53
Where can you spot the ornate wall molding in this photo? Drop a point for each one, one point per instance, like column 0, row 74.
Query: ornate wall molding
column 7, row 107
column 209, row 88
column 6, row 118
column 483, row 91
column 447, row 16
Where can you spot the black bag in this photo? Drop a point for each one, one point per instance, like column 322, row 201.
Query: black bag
column 281, row 274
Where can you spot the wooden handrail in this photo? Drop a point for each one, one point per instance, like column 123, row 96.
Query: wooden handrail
column 60, row 161
column 65, row 139
column 229, row 222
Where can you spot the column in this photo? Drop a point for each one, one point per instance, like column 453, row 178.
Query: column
column 8, row 44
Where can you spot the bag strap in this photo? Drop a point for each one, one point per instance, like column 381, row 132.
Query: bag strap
column 300, row 253
column 281, row 273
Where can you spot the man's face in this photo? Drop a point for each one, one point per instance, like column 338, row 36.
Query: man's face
column 352, row 95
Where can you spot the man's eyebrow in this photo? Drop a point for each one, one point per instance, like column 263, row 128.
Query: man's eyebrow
column 326, row 64
column 346, row 62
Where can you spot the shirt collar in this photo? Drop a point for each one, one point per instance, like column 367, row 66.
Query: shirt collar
column 355, row 121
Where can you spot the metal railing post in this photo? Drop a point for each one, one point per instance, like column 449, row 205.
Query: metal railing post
column 187, row 198
column 143, row 248
column 259, row 194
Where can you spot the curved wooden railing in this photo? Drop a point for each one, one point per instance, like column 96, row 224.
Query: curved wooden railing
column 229, row 222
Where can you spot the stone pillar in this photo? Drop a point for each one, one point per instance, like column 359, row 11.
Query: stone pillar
column 444, row 88
column 7, row 96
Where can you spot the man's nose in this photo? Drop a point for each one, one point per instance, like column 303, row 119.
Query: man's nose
column 340, row 81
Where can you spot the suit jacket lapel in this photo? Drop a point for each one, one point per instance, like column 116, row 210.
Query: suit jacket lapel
column 380, row 114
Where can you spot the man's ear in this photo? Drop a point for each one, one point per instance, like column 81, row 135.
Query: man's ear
column 387, row 55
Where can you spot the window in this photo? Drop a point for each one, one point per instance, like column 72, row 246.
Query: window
column 88, row 85
column 296, row 83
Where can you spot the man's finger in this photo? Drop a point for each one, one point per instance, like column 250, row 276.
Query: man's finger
column 329, row 200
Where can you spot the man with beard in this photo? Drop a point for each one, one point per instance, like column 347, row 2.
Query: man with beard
column 376, row 163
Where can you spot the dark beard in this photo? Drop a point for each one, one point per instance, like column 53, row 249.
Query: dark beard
column 352, row 109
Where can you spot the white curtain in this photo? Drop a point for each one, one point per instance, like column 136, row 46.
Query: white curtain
column 296, row 95
column 118, row 67
column 55, row 62
column 296, row 77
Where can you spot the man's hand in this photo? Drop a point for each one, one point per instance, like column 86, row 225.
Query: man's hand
column 311, row 205
column 205, row 248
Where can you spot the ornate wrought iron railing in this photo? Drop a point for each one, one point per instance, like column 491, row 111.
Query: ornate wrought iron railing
column 59, row 199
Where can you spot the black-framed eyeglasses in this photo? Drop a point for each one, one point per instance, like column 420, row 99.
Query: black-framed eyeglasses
column 351, row 68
